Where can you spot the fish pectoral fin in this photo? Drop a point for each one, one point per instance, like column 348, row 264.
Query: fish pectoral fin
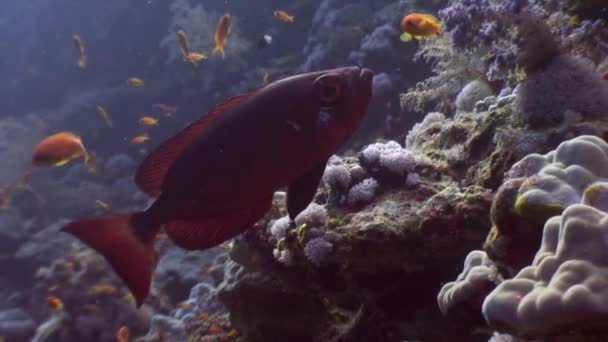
column 405, row 37
column 207, row 232
column 302, row 191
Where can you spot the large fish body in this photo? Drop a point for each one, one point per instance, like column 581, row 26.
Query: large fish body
column 216, row 178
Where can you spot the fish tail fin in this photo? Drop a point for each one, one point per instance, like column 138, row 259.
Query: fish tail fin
column 126, row 241
column 220, row 49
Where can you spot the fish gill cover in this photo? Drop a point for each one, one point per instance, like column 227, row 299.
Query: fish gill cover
column 483, row 146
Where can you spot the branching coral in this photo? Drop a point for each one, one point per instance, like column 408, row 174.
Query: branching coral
column 452, row 69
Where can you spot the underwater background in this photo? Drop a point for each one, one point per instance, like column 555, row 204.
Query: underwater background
column 471, row 205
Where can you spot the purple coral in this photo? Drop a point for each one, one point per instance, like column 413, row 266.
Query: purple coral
column 317, row 250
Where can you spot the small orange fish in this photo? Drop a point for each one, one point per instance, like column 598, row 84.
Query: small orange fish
column 183, row 43
column 419, row 25
column 101, row 204
column 104, row 115
column 215, row 329
column 135, row 82
column 195, row 57
column 222, row 31
column 5, row 198
column 203, row 316
column 184, row 305
column 140, row 139
column 232, row 333
column 123, row 334
column 104, row 289
column 82, row 56
column 59, row 149
column 284, row 16
column 148, row 121
column 54, row 303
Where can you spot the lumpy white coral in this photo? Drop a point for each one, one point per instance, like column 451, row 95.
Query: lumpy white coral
column 566, row 287
column 478, row 272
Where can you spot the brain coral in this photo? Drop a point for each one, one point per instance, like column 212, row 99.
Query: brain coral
column 566, row 287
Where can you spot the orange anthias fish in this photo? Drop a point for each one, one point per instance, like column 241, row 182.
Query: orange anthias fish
column 82, row 56
column 123, row 334
column 419, row 25
column 5, row 198
column 183, row 43
column 59, row 149
column 284, row 16
column 196, row 204
column 101, row 204
column 135, row 82
column 148, row 121
column 195, row 57
column 54, row 303
column 140, row 139
column 104, row 289
column 222, row 31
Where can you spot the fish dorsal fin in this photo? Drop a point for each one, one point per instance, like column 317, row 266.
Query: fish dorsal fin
column 152, row 171
column 431, row 18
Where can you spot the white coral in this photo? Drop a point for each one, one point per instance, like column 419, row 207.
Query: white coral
column 477, row 273
column 567, row 283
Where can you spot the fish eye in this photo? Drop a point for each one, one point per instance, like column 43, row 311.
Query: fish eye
column 329, row 89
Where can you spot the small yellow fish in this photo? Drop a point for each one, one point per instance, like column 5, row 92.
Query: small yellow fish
column 265, row 78
column 195, row 57
column 135, row 82
column 54, row 303
column 203, row 316
column 104, row 115
column 104, row 289
column 419, row 25
column 82, row 56
column 183, row 43
column 284, row 16
column 232, row 333
column 140, row 139
column 148, row 121
column 222, row 30
column 101, row 204
column 184, row 305
column 123, row 334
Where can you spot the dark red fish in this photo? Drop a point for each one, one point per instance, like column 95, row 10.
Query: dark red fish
column 216, row 178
